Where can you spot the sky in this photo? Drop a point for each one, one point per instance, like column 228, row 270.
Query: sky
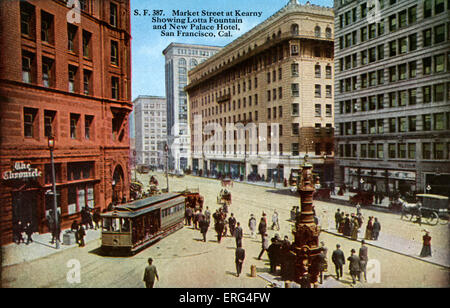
column 147, row 43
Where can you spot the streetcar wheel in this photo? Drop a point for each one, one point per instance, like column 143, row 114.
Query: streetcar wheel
column 433, row 218
column 444, row 219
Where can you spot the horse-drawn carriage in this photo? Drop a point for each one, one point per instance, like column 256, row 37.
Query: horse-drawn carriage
column 322, row 194
column 430, row 209
column 224, row 197
column 193, row 199
column 362, row 197
column 136, row 188
column 227, row 182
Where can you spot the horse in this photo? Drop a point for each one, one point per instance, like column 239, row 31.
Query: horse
column 408, row 208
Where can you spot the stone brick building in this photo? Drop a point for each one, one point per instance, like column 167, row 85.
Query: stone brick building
column 67, row 73
column 393, row 95
column 280, row 73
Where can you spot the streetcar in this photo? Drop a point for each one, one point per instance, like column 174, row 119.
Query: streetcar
column 133, row 226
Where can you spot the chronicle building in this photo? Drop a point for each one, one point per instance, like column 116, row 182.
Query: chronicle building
column 67, row 78
column 392, row 101
column 276, row 81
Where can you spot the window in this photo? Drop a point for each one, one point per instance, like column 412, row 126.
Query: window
column 402, row 71
column 372, row 30
column 72, row 78
column 426, row 122
column 87, row 44
column 72, row 38
column 294, row 50
column 30, row 122
column 27, row 19
column 364, row 57
column 412, row 42
column 412, row 121
column 115, row 87
column 295, row 109
column 294, row 29
column 380, row 151
column 439, row 121
column 426, row 150
column 114, row 53
column 439, row 34
column 88, row 125
column 74, row 123
column 402, row 150
column 317, row 31
column 294, row 69
column 87, row 82
column 427, row 6
column 412, row 69
column 392, row 48
column 438, row 150
column 392, row 125
column 380, row 76
column 438, row 6
column 392, row 23
column 280, row 93
column 381, row 27
column 317, row 91
column 438, row 90
column 295, row 129
column 412, row 93
column 317, row 70
column 372, row 55
column 328, row 32
column 403, row 45
column 363, row 34
column 113, row 14
column 402, row 19
column 392, row 74
column 295, row 151
column 363, row 10
column 27, row 67
column 380, row 51
column 295, row 90
column 49, row 123
column 47, row 27
column 426, row 92
column 363, row 150
column 426, row 66
column 318, row 110
column 47, row 72
column 392, row 150
column 328, row 71
column 328, row 110
column 426, row 38
column 412, row 14
column 371, row 150
column 439, row 65
column 328, row 91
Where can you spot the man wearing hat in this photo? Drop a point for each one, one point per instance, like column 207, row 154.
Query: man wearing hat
column 354, row 266
column 364, row 258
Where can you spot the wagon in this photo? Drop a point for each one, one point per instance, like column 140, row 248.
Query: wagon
column 224, row 197
column 193, row 198
column 362, row 197
column 434, row 209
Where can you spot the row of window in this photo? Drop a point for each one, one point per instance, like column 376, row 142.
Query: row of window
column 436, row 121
column 430, row 150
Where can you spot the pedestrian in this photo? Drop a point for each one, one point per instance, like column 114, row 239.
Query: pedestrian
column 376, row 229
column 264, row 245
column 252, row 225
column 369, row 229
column 195, row 219
column 50, row 221
column 74, row 228
column 150, row 274
column 208, row 215
column 364, row 258
column 56, row 230
column 337, row 218
column 354, row 266
column 322, row 265
column 204, row 225
column 29, row 232
column 333, row 189
column 275, row 223
column 355, row 228
column 84, row 219
column 238, row 234
column 81, row 234
column 89, row 218
column 347, row 225
column 342, row 223
column 219, row 226
column 338, row 260
column 97, row 219
column 17, row 232
column 262, row 227
column 272, row 252
column 188, row 216
column 284, row 256
column 239, row 259
column 232, row 224
column 358, row 208
column 426, row 248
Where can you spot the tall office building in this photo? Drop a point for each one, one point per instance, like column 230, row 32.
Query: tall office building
column 393, row 95
column 69, row 78
column 150, row 129
column 180, row 58
column 277, row 81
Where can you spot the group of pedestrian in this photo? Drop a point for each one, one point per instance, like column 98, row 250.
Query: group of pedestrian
column 80, row 233
column 350, row 225
column 19, row 229
column 357, row 263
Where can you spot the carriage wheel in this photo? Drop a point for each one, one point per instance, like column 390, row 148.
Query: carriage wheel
column 433, row 218
column 443, row 220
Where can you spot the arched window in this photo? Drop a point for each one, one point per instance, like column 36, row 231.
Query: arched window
column 182, row 62
column 194, row 63
column 317, row 31
column 294, row 29
column 328, row 32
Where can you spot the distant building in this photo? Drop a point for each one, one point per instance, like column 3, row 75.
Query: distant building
column 180, row 58
column 68, row 80
column 393, row 95
column 150, row 129
column 278, row 74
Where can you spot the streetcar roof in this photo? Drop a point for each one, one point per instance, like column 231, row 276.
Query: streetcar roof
column 142, row 206
column 432, row 196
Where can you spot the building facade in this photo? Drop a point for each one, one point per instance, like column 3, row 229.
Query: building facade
column 180, row 58
column 151, row 129
column 70, row 78
column 392, row 98
column 276, row 81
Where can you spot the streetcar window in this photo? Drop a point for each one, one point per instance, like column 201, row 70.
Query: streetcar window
column 107, row 224
column 125, row 225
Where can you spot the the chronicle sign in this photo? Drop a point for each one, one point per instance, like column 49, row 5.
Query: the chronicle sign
column 21, row 171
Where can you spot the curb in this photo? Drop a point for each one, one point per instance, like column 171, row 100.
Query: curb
column 389, row 249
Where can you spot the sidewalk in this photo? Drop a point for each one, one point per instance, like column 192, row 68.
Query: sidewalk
column 41, row 247
column 404, row 247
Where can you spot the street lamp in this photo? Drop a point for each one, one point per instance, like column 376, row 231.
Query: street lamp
column 51, row 147
column 166, row 149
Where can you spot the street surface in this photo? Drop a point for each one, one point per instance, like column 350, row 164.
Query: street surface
column 183, row 260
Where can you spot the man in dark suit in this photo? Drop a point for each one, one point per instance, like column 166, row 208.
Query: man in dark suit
column 376, row 229
column 239, row 259
column 150, row 274
column 232, row 224
column 204, row 225
column 364, row 258
column 338, row 260
column 219, row 229
column 354, row 266
column 238, row 234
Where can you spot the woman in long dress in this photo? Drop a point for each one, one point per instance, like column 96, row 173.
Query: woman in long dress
column 369, row 229
column 355, row 229
column 426, row 248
